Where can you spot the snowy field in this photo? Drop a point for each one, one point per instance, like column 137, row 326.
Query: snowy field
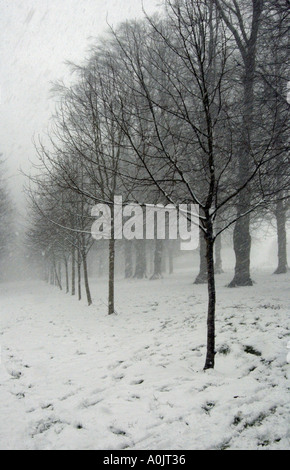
column 74, row 378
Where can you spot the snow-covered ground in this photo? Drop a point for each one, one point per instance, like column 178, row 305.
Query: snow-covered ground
column 73, row 378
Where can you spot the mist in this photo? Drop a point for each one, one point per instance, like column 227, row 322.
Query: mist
column 38, row 39
column 120, row 332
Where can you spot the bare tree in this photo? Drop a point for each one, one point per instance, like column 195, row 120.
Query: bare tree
column 244, row 21
column 273, row 73
column 193, row 135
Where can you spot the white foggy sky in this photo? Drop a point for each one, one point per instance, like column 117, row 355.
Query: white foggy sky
column 36, row 38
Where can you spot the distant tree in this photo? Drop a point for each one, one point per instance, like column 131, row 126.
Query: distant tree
column 6, row 232
column 273, row 75
column 59, row 232
column 243, row 20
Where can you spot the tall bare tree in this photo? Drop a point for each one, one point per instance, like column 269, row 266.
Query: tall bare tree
column 243, row 20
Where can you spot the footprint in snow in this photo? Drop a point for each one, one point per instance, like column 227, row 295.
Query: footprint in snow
column 15, row 374
column 115, row 365
column 89, row 402
column 136, row 397
column 19, row 395
column 117, row 431
column 118, row 377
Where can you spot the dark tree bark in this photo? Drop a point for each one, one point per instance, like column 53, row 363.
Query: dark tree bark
column 280, row 214
column 111, row 299
column 111, row 276
column 210, row 356
column 86, row 280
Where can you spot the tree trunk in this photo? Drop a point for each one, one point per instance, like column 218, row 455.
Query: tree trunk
column 51, row 276
column 247, row 45
column 44, row 274
column 111, row 296
column 111, row 303
column 157, row 269
column 73, row 272
column 242, row 248
column 57, row 276
column 218, row 256
column 128, row 259
column 140, row 269
column 280, row 214
column 242, row 237
column 101, row 267
column 79, row 263
column 66, row 275
column 60, row 274
column 202, row 275
column 86, row 280
column 210, row 355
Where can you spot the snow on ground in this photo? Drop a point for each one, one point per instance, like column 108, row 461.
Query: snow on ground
column 73, row 378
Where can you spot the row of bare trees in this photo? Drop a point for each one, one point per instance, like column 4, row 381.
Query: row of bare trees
column 185, row 107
